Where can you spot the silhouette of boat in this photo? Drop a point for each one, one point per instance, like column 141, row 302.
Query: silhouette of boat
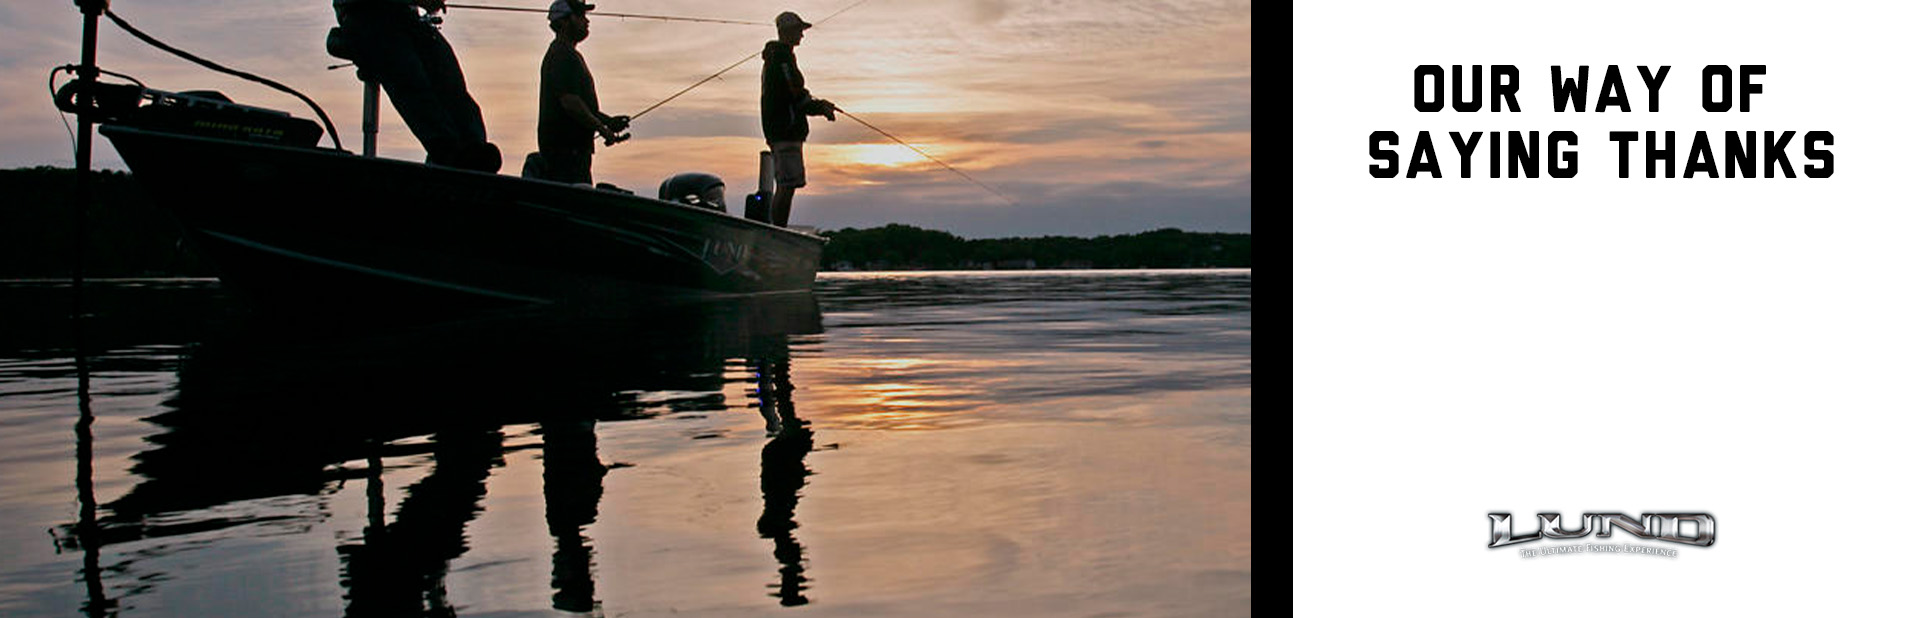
column 297, row 224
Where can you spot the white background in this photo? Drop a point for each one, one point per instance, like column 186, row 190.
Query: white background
column 1744, row 347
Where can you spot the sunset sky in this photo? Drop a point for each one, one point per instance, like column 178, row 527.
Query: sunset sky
column 1096, row 116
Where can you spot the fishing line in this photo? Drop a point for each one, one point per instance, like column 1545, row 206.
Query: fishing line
column 240, row 74
column 685, row 90
column 730, row 67
column 837, row 13
column 923, row 153
column 482, row 7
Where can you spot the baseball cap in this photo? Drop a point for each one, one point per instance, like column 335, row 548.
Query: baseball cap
column 789, row 20
column 562, row 9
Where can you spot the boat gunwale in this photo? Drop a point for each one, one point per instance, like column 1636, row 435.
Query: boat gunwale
column 110, row 128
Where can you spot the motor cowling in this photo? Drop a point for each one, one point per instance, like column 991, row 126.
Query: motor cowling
column 696, row 189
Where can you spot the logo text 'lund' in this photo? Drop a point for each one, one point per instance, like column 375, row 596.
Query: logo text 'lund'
column 1662, row 526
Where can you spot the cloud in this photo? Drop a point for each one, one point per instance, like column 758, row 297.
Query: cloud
column 989, row 11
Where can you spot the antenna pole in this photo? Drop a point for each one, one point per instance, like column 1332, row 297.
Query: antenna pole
column 83, row 151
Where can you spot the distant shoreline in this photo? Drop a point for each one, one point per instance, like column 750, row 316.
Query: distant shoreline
column 1038, row 271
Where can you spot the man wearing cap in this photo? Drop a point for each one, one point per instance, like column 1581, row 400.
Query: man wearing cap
column 784, row 107
column 569, row 108
column 393, row 44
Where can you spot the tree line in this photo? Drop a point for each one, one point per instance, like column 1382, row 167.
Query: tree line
column 127, row 235
column 897, row 246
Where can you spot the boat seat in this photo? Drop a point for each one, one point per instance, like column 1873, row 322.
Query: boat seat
column 535, row 167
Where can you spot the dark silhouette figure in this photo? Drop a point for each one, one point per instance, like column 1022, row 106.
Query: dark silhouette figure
column 785, row 104
column 570, row 113
column 394, row 45
column 571, row 481
column 400, row 569
column 783, row 471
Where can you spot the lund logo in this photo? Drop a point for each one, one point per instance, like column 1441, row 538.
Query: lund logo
column 723, row 256
column 1662, row 526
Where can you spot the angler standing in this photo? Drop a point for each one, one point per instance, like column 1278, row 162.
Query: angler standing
column 404, row 51
column 569, row 106
column 784, row 107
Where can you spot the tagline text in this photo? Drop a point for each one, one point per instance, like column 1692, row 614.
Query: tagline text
column 1596, row 548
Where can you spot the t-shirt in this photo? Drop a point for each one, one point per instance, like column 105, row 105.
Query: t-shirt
column 564, row 71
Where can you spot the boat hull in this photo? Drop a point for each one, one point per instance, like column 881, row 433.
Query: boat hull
column 308, row 226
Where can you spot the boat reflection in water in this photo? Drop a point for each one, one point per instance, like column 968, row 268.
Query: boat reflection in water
column 271, row 409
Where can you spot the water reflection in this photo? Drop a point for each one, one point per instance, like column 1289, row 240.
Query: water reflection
column 85, row 533
column 270, row 408
column 783, row 471
column 571, row 484
column 400, row 569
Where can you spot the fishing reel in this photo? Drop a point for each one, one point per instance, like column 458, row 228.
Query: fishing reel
column 430, row 15
column 618, row 124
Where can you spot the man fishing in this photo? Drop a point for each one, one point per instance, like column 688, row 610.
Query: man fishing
column 784, row 107
column 395, row 45
column 569, row 107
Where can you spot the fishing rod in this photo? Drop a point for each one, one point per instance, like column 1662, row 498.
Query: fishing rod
column 923, row 153
column 836, row 108
column 687, row 89
column 482, row 7
column 730, row 67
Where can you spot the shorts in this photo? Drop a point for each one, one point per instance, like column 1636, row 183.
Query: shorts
column 789, row 170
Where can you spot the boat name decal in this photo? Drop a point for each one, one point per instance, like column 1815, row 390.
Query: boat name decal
column 723, row 255
column 268, row 132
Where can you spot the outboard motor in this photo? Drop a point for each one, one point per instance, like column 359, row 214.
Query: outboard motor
column 697, row 189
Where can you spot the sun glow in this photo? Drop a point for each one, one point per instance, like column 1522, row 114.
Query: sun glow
column 877, row 155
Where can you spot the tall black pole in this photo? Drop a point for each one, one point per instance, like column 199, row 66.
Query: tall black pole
column 370, row 115
column 97, row 604
column 83, row 152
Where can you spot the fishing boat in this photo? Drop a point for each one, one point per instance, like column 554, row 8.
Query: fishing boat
column 309, row 225
column 298, row 224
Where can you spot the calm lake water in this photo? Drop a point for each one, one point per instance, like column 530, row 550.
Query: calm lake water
column 893, row 444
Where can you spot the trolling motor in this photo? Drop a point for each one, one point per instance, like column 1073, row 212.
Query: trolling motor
column 105, row 101
column 205, row 113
